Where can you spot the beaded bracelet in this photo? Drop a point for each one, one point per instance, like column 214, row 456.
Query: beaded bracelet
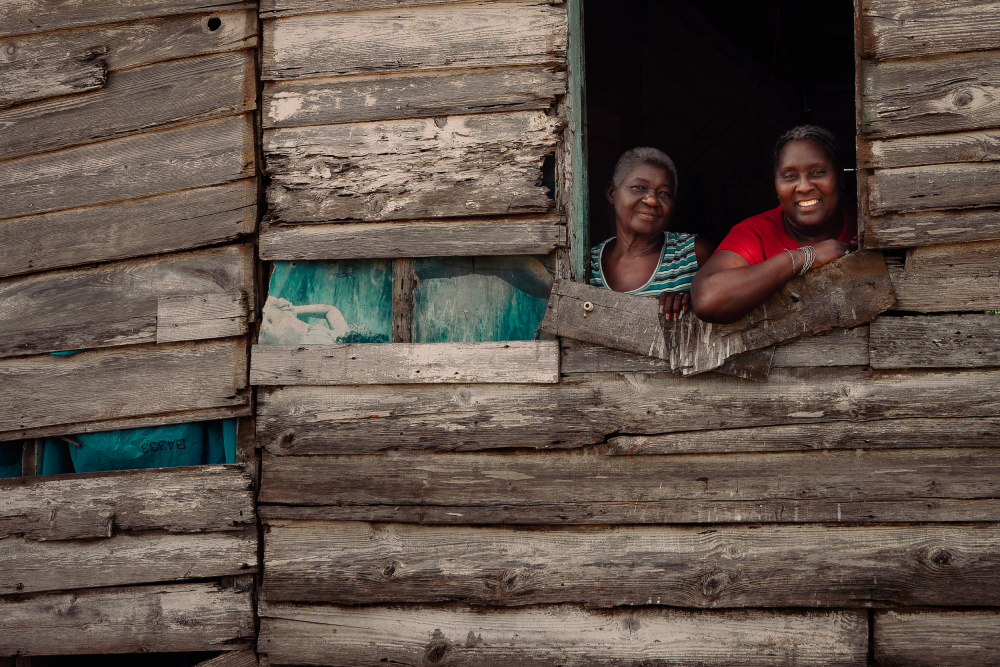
column 810, row 254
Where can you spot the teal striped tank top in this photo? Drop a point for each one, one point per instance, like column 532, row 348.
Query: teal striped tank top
column 678, row 264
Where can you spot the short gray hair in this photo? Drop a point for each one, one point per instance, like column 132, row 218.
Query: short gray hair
column 631, row 159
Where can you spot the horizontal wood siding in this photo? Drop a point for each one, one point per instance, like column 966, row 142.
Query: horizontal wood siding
column 559, row 635
column 955, row 341
column 17, row 18
column 905, row 28
column 952, row 277
column 937, row 638
column 51, row 77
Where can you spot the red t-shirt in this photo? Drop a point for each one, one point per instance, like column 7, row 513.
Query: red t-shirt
column 763, row 236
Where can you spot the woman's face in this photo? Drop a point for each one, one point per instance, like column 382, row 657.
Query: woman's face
column 808, row 186
column 644, row 202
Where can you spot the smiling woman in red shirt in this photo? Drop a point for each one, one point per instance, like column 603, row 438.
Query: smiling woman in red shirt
column 808, row 229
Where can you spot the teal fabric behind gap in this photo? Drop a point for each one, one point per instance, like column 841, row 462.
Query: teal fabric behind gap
column 10, row 460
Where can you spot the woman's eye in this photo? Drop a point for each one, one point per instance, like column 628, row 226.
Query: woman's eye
column 638, row 188
column 789, row 177
column 816, row 173
column 663, row 194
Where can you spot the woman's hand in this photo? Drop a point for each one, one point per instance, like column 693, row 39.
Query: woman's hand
column 674, row 304
column 827, row 251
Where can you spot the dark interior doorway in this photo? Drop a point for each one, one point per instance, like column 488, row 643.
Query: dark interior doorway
column 713, row 84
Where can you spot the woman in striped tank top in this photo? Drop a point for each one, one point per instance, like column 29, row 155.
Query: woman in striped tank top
column 645, row 258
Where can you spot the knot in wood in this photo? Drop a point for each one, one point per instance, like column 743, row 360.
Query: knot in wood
column 940, row 557
column 437, row 648
column 963, row 98
column 508, row 580
column 713, row 585
column 390, row 569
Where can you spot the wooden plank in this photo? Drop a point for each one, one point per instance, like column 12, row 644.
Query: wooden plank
column 403, row 281
column 205, row 153
column 470, row 34
column 942, row 341
column 123, row 559
column 844, row 293
column 409, row 95
column 938, row 638
column 944, row 278
column 105, row 385
column 515, row 361
column 140, row 619
column 118, row 230
column 142, row 98
column 586, row 409
column 904, row 28
column 906, row 189
column 561, row 635
column 477, row 237
column 18, row 17
column 232, row 659
column 768, row 566
column 581, row 488
column 135, row 301
column 930, row 95
column 929, row 228
column 454, row 166
column 67, row 74
column 93, row 505
column 983, row 146
column 275, row 8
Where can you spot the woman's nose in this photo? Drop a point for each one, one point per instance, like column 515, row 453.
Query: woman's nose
column 803, row 184
column 650, row 198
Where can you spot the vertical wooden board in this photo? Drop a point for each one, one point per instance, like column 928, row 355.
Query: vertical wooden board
column 937, row 638
column 137, row 99
column 205, row 153
column 568, row 636
column 905, row 28
column 479, row 299
column 97, row 385
column 468, row 34
column 40, row 79
column 139, row 619
column 946, row 341
column 456, row 166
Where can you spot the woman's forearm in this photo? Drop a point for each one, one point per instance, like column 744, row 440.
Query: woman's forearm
column 725, row 295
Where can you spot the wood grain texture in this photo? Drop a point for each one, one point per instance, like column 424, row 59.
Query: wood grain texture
column 469, row 34
column 30, row 17
column 232, row 659
column 409, row 95
column 839, row 347
column 570, row 636
column 586, row 488
column 844, row 293
column 123, row 559
column 404, row 363
column 982, row 146
column 106, row 385
column 943, row 341
column 97, row 505
column 67, row 74
column 905, row 189
column 937, row 638
column 275, row 8
column 118, row 230
column 403, row 280
column 908, row 230
column 200, row 154
column 950, row 277
column 137, row 99
column 585, row 409
column 904, row 28
column 447, row 167
column 140, row 619
column 123, row 303
column 509, row 236
column 770, row 566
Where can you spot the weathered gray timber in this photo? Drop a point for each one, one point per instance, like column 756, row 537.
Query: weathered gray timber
column 409, row 95
column 961, row 185
column 18, row 17
column 139, row 619
column 542, row 636
column 123, row 559
column 983, row 146
column 536, row 235
column 577, row 488
column 929, row 228
column 902, row 28
column 162, row 299
column 232, row 659
column 272, row 8
column 405, row 363
column 469, row 34
column 404, row 279
column 25, row 81
column 943, row 341
column 142, row 98
column 585, row 409
column 110, row 384
column 844, row 293
column 95, row 505
column 195, row 155
column 769, row 566
column 937, row 638
column 950, row 277
column 118, row 230
column 422, row 168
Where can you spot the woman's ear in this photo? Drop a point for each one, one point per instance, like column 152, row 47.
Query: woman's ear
column 609, row 192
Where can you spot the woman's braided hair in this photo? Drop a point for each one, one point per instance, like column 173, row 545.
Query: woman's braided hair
column 820, row 135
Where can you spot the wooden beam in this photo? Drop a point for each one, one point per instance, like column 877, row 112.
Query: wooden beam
column 942, row 341
column 66, row 74
column 922, row 228
column 769, row 566
column 844, row 293
column 905, row 189
column 483, row 164
column 140, row 619
column 246, row 658
column 934, row 638
column 981, row 146
column 476, row 237
column 277, row 8
column 953, row 277
column 473, row 34
column 906, row 28
column 96, row 505
column 404, row 363
column 560, row 635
